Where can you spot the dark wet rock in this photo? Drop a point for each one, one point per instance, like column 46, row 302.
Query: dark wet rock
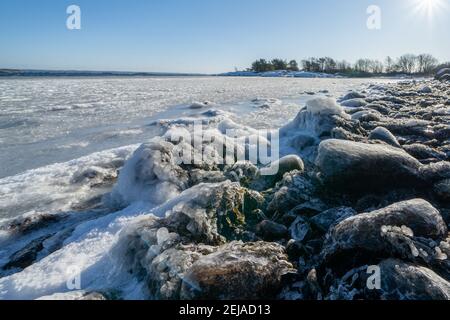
column 364, row 232
column 26, row 256
column 29, row 223
column 421, row 152
column 328, row 218
column 442, row 134
column 302, row 141
column 237, row 271
column 404, row 281
column 271, row 231
column 399, row 280
column 300, row 229
column 434, row 172
column 359, row 167
column 442, row 189
column 384, row 135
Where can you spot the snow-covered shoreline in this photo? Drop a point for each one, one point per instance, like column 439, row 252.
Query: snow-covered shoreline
column 139, row 225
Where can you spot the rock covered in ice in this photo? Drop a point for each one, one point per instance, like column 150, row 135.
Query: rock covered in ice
column 151, row 174
column 367, row 115
column 318, row 118
column 201, row 105
column 237, row 271
column 425, row 89
column 293, row 190
column 384, row 135
column 364, row 232
column 354, row 103
column 276, row 170
column 352, row 95
column 360, row 167
column 441, row 74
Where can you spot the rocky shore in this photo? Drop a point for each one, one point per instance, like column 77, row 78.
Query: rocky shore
column 367, row 185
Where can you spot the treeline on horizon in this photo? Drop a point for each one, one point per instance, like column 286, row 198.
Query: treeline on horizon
column 422, row 64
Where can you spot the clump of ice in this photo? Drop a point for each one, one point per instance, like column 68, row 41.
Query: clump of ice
column 151, row 175
column 315, row 118
column 58, row 187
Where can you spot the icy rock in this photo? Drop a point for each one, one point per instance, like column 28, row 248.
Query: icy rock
column 440, row 75
column 271, row 231
column 293, row 190
column 201, row 105
column 215, row 212
column 360, row 167
column 237, row 271
column 276, row 170
column 384, row 135
column 425, row 89
column 383, row 109
column 352, row 95
column 354, row 103
column 324, row 220
column 363, row 232
column 404, row 281
column 317, row 119
column 151, row 174
column 367, row 116
column 243, row 172
column 80, row 295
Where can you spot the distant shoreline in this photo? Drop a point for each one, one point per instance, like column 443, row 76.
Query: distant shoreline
column 15, row 73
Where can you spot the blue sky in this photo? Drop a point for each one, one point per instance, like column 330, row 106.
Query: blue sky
column 210, row 35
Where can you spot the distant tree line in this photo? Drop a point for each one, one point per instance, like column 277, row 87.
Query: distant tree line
column 422, row 64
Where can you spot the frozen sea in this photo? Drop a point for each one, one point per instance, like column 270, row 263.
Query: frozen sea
column 54, row 130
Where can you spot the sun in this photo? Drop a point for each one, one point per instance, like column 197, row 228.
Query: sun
column 429, row 8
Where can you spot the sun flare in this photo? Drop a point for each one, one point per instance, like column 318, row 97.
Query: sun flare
column 430, row 8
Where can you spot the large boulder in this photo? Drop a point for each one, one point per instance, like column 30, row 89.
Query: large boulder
column 364, row 232
column 403, row 281
column 237, row 271
column 359, row 167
